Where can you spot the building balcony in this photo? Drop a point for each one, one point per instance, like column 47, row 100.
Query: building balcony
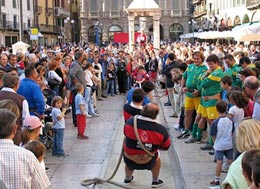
column 93, row 14
column 200, row 12
column 252, row 4
column 114, row 14
column 61, row 12
column 49, row 29
column 49, row 11
column 11, row 25
column 38, row 10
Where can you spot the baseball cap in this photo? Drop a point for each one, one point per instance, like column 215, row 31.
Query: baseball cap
column 32, row 122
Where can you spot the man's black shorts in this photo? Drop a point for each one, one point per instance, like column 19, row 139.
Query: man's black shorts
column 135, row 166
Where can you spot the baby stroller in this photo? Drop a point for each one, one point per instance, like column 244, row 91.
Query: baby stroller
column 47, row 136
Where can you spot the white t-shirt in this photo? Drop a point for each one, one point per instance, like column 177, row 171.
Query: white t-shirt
column 237, row 113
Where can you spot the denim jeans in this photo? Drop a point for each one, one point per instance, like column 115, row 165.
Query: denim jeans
column 110, row 85
column 57, row 148
column 89, row 101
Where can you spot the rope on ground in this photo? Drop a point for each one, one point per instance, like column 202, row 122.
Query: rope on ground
column 94, row 181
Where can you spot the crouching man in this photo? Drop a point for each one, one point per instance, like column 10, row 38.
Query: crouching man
column 153, row 136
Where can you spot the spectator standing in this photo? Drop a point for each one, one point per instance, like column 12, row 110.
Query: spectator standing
column 32, row 92
column 80, row 112
column 11, row 84
column 77, row 75
column 58, row 126
column 19, row 167
column 221, row 131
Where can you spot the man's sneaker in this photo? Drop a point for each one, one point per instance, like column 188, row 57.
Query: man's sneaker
column 206, row 147
column 95, row 115
column 157, row 184
column 191, row 139
column 126, row 181
column 183, row 135
column 89, row 116
column 215, row 183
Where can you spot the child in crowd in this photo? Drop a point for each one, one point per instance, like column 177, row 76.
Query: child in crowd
column 177, row 77
column 80, row 111
column 226, row 85
column 221, row 131
column 180, row 126
column 236, row 112
column 110, row 79
column 38, row 149
column 31, row 129
column 58, row 126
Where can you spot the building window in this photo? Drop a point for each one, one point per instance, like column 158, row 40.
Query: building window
column 93, row 5
column 114, row 6
column 3, row 3
column 4, row 20
column 57, row 3
column 112, row 30
column 37, row 21
column 47, row 21
column 29, row 23
column 14, row 4
column 175, row 4
column 175, row 31
column 15, row 21
column 62, row 3
column 28, row 5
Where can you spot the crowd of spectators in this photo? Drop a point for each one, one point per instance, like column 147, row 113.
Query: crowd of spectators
column 211, row 88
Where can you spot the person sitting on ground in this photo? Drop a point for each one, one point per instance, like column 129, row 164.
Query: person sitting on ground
column 135, row 107
column 148, row 87
column 221, row 131
column 38, row 149
column 19, row 167
column 157, row 137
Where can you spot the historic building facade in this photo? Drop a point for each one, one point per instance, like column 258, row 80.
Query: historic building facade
column 225, row 14
column 109, row 16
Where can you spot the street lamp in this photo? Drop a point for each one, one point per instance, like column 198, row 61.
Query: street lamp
column 193, row 23
column 72, row 22
column 97, row 28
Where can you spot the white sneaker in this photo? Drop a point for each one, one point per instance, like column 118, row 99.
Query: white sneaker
column 89, row 116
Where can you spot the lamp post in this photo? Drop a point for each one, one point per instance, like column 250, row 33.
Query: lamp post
column 192, row 23
column 72, row 22
column 97, row 28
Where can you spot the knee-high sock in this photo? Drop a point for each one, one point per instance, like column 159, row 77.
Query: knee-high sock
column 194, row 130
column 199, row 134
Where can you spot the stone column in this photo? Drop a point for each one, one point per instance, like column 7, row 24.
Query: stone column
column 156, row 32
column 84, row 30
column 131, row 32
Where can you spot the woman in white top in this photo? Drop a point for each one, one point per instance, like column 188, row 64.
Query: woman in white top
column 53, row 76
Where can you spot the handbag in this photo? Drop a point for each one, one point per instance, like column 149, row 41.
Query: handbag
column 93, row 88
column 52, row 81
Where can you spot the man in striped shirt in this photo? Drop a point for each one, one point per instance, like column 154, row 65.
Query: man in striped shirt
column 19, row 168
column 154, row 137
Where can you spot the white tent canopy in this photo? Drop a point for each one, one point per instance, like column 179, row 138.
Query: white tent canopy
column 245, row 32
column 20, row 47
